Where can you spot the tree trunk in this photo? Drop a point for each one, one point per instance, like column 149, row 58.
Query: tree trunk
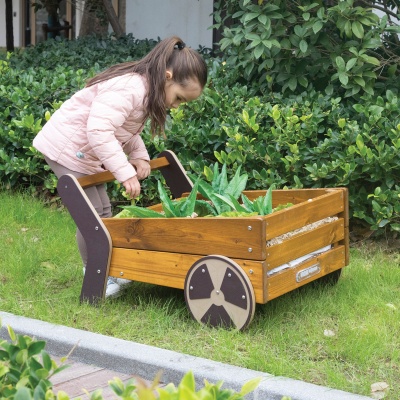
column 94, row 19
column 112, row 17
column 9, row 26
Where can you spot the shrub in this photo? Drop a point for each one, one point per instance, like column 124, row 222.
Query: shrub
column 35, row 82
column 305, row 140
column 308, row 139
column 288, row 46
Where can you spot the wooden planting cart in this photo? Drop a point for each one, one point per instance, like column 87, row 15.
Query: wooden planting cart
column 224, row 265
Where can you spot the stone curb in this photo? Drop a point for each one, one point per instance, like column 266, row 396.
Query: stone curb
column 146, row 361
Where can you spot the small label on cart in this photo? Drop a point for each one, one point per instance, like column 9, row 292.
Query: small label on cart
column 308, row 272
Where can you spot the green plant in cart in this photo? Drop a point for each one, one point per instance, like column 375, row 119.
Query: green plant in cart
column 221, row 199
column 222, row 192
column 185, row 207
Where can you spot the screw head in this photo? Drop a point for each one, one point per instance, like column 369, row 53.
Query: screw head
column 243, row 297
column 191, row 287
column 98, row 271
column 229, row 275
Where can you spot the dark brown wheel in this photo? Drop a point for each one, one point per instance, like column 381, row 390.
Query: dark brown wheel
column 219, row 293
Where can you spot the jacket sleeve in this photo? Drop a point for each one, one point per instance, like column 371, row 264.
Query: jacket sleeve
column 135, row 148
column 114, row 102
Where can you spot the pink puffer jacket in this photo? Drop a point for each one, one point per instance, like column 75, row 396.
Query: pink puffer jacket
column 98, row 127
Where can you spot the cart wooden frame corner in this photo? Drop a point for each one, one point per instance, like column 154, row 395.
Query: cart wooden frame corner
column 162, row 251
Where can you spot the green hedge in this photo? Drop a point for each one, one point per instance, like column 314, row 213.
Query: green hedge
column 293, row 140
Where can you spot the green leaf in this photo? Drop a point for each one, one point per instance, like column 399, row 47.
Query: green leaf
column 360, row 142
column 263, row 19
column 220, row 181
column 350, row 64
column 123, row 214
column 188, row 381
column 232, row 202
column 292, row 83
column 357, row 29
column 208, row 173
column 258, row 51
column 36, row 347
column 39, row 393
column 23, row 393
column 250, row 386
column 61, row 368
column 236, row 214
column 204, row 208
column 303, row 46
column 189, row 203
column 340, row 63
column 208, row 192
column 46, row 360
column 226, row 200
column 249, row 16
column 97, row 395
column 141, row 212
column 371, row 60
column 11, row 333
column 42, row 373
column 247, row 203
column 22, row 356
column 167, row 204
column 343, row 78
column 317, row 26
column 237, row 184
column 117, row 386
column 61, row 395
column 3, row 370
column 267, row 205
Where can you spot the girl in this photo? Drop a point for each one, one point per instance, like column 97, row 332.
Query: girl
column 99, row 126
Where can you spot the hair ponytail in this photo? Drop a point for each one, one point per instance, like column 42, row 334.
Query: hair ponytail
column 169, row 54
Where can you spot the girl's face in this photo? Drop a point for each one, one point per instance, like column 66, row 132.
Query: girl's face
column 175, row 94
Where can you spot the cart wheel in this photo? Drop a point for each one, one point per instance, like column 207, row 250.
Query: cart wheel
column 219, row 293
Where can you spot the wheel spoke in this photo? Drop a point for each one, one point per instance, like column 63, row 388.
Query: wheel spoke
column 237, row 314
column 217, row 274
column 199, row 307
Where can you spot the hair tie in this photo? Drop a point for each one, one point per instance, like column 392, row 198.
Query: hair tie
column 180, row 46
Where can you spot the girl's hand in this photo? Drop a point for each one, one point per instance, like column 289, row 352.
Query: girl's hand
column 142, row 168
column 132, row 187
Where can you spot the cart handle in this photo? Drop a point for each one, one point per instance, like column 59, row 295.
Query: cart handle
column 97, row 238
column 167, row 162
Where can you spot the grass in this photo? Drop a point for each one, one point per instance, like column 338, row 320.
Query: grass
column 41, row 277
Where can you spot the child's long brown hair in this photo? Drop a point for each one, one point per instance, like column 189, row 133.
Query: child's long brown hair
column 170, row 54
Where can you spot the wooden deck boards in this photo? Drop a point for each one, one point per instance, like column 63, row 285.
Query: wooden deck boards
column 80, row 377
